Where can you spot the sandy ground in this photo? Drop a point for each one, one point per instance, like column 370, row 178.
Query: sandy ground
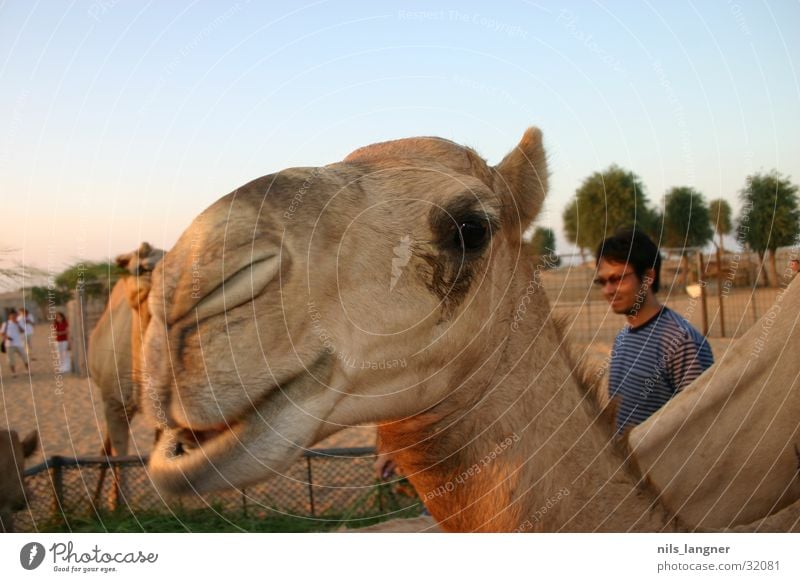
column 68, row 413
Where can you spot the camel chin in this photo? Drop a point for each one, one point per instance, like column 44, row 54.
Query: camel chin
column 259, row 444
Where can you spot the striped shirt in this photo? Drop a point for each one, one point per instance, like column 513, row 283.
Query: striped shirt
column 653, row 362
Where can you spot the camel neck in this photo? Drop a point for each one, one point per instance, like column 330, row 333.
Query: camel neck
column 519, row 446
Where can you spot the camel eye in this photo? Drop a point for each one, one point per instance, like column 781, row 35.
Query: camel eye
column 471, row 235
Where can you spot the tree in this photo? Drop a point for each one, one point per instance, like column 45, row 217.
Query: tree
column 8, row 275
column 91, row 279
column 14, row 274
column 544, row 246
column 572, row 232
column 605, row 202
column 49, row 297
column 770, row 217
column 687, row 223
column 720, row 214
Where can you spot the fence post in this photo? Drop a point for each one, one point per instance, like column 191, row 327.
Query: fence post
column 310, row 486
column 76, row 334
column 754, row 307
column 719, row 294
column 57, row 478
column 702, row 280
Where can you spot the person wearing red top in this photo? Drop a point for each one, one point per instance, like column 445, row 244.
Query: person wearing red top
column 61, row 333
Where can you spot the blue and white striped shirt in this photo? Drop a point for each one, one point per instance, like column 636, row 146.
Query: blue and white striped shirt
column 653, row 362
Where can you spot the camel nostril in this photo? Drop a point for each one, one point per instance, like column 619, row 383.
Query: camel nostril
column 187, row 440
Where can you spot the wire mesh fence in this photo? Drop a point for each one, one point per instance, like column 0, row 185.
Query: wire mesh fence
column 325, row 484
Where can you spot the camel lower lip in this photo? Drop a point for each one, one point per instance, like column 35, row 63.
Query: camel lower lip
column 252, row 446
column 184, row 446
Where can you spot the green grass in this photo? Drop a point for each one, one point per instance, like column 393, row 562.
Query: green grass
column 215, row 519
column 197, row 520
column 211, row 521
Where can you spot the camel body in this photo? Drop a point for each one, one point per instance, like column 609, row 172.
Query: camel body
column 110, row 368
column 115, row 345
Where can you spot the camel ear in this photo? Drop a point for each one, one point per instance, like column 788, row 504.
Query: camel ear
column 522, row 175
column 30, row 444
column 123, row 260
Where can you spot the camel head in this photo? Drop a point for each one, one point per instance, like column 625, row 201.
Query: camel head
column 139, row 263
column 13, row 453
column 315, row 299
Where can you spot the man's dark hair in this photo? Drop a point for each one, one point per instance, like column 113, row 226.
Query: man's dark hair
column 635, row 248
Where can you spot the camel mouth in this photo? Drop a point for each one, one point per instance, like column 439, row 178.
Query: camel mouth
column 183, row 458
column 237, row 452
column 182, row 445
column 186, row 441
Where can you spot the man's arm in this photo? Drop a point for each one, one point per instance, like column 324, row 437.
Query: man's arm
column 689, row 360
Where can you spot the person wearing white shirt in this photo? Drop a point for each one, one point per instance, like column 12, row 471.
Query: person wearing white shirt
column 25, row 319
column 13, row 336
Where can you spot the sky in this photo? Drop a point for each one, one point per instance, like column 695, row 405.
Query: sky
column 123, row 120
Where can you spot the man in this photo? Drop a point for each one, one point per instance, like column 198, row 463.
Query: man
column 658, row 353
column 13, row 334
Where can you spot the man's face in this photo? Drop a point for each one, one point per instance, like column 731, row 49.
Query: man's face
column 623, row 290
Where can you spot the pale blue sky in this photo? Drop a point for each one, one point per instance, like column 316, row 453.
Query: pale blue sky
column 123, row 120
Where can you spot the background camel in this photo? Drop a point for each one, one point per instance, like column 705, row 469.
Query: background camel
column 115, row 344
column 13, row 453
column 487, row 420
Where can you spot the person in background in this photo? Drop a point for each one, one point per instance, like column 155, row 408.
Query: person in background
column 794, row 267
column 25, row 319
column 61, row 333
column 658, row 353
column 13, row 337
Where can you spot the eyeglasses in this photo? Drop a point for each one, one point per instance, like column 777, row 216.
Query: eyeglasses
column 613, row 279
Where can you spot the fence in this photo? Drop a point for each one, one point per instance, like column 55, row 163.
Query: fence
column 326, row 484
column 83, row 314
column 727, row 297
